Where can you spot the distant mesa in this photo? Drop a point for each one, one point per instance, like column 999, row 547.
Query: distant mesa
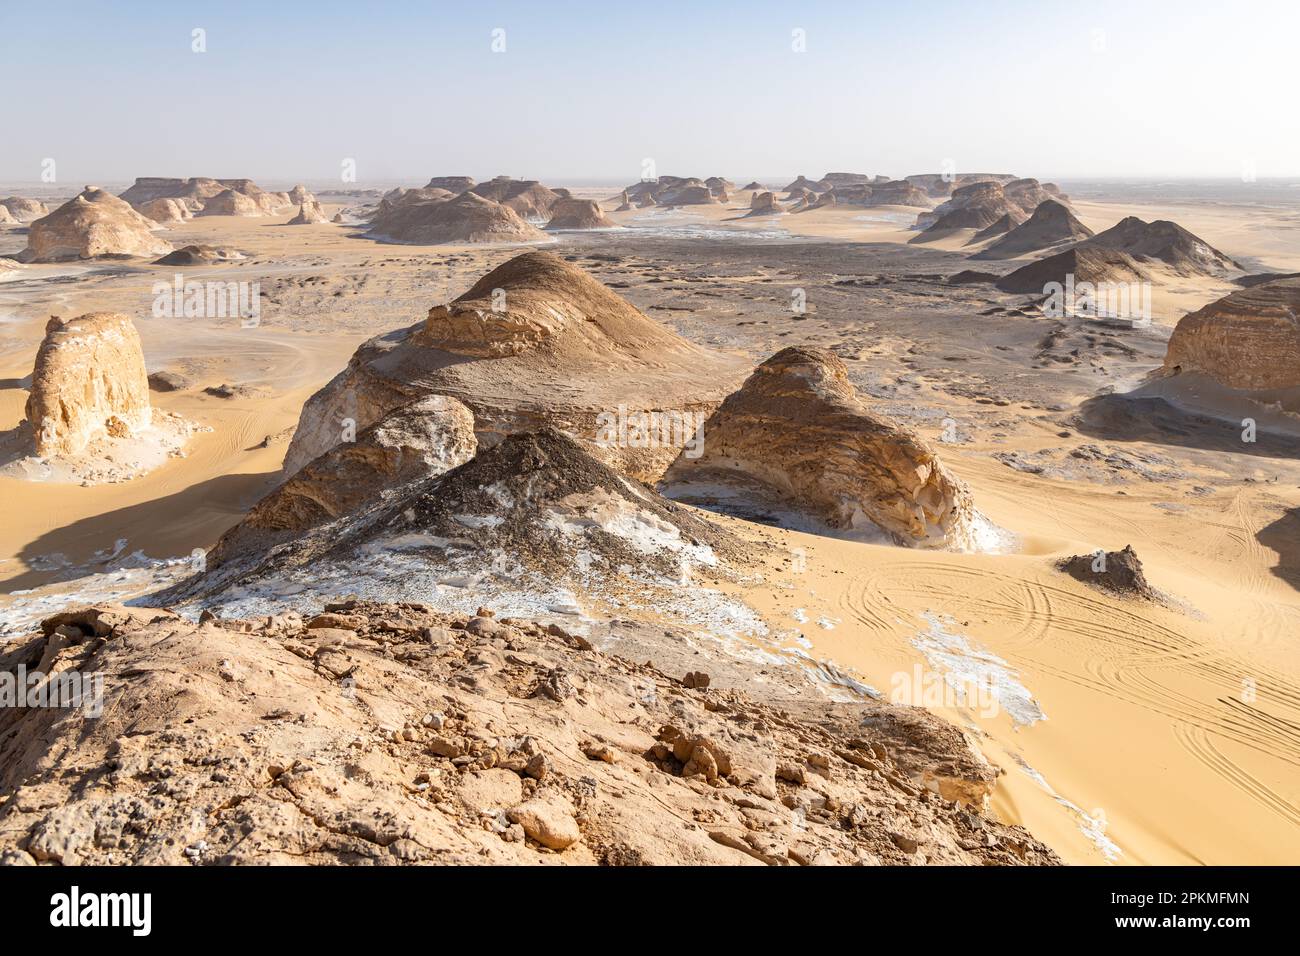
column 231, row 203
column 309, row 212
column 677, row 191
column 91, row 225
column 895, row 192
column 800, row 182
column 1081, row 262
column 198, row 192
column 833, row 180
column 579, row 214
column 799, row 430
column 801, row 194
column 89, row 381
column 1248, row 340
column 453, row 184
column 165, row 210
column 198, row 255
column 1050, row 225
column 502, row 347
column 468, row 218
column 18, row 209
column 1168, row 242
column 981, row 203
column 527, row 197
column 755, row 185
column 418, row 440
column 940, row 185
column 764, row 204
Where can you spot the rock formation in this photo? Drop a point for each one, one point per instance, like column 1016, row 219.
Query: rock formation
column 536, row 341
column 24, row 210
column 6, row 218
column 624, row 202
column 165, row 210
column 1083, row 262
column 427, row 437
column 1116, row 571
column 196, row 193
column 1050, row 225
column 309, row 212
column 1184, row 253
column 579, row 214
column 1248, row 340
column 228, row 202
column 198, row 255
column 800, row 182
column 466, row 218
column 764, row 204
column 755, row 185
column 896, row 193
column 453, row 184
column 422, row 741
column 92, row 224
column 89, row 380
column 300, row 194
column 527, row 197
column 799, row 428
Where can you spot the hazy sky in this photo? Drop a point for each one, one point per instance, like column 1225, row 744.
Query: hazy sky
column 588, row 90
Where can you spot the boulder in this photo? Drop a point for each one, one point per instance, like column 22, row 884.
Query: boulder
column 93, row 224
column 1248, row 340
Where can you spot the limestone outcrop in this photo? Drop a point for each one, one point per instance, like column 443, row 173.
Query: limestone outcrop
column 89, row 380
column 1248, row 340
column 309, row 212
column 91, row 225
column 165, row 210
column 764, row 204
column 465, row 218
column 536, row 341
column 579, row 214
column 799, row 428
column 24, row 210
column 1051, row 224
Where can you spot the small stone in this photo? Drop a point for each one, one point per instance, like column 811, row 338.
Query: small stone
column 548, row 819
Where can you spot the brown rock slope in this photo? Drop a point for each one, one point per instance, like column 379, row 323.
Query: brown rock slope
column 1248, row 340
column 427, row 437
column 1051, row 224
column 1086, row 263
column 579, row 214
column 24, row 210
column 465, row 218
column 390, row 734
column 93, row 224
column 552, row 346
column 1168, row 242
column 89, row 380
column 798, row 426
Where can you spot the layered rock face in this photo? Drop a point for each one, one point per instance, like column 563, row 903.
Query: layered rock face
column 1051, row 223
column 974, row 206
column 798, row 426
column 571, row 755
column 1170, row 243
column 764, row 204
column 897, row 193
column 24, row 210
column 1083, row 262
column 165, row 210
column 1248, row 340
column 90, row 225
column 678, row 191
column 89, row 380
column 466, row 218
column 228, row 202
column 309, row 212
column 527, row 197
column 579, row 214
column 427, row 437
column 535, row 342
column 453, row 184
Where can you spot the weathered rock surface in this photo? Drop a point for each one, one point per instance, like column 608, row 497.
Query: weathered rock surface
column 579, row 214
column 90, row 225
column 1247, row 340
column 764, row 204
column 535, row 342
column 198, row 255
column 1052, row 223
column 453, row 184
column 1117, row 571
column 465, row 218
column 89, row 380
column 527, row 197
column 427, row 437
column 228, row 202
column 309, row 212
column 1167, row 242
column 24, row 210
column 798, row 426
column 1084, row 262
column 391, row 734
